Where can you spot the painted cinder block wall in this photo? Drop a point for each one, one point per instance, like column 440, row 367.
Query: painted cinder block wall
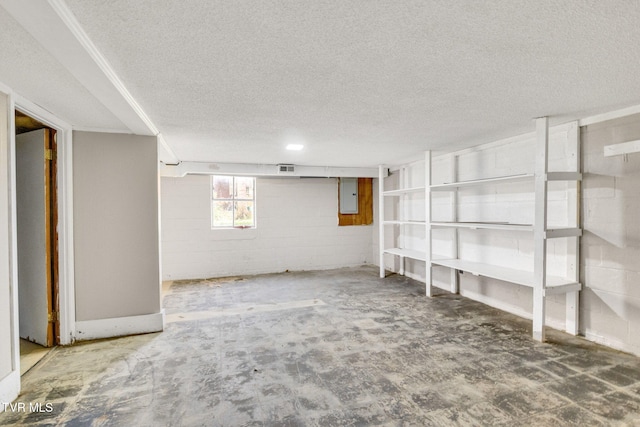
column 610, row 303
column 297, row 229
column 610, row 246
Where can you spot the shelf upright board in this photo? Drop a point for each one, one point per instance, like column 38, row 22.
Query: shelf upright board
column 427, row 219
column 572, row 299
column 381, row 174
column 539, row 228
column 405, row 224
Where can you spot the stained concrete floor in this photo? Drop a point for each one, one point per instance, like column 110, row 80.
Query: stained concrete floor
column 331, row 348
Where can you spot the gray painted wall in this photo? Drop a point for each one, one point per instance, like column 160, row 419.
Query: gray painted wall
column 117, row 257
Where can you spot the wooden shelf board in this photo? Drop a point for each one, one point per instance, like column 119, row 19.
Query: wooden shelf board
column 407, row 253
column 550, row 233
column 403, row 191
column 520, row 277
column 404, row 223
column 508, row 178
column 484, row 225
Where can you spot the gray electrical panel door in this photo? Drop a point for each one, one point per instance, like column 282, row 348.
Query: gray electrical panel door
column 348, row 195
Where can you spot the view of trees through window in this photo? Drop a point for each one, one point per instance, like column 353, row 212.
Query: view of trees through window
column 233, row 201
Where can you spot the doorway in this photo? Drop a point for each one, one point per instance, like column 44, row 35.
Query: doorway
column 37, row 239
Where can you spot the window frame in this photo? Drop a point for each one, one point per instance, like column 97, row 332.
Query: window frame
column 233, row 199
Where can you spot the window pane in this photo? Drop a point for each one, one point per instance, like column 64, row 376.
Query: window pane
column 244, row 214
column 222, row 187
column 244, row 188
column 223, row 214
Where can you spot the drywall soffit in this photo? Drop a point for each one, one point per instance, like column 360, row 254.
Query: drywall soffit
column 56, row 29
column 202, row 168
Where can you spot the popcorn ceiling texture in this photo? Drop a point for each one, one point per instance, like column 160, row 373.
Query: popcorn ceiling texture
column 363, row 83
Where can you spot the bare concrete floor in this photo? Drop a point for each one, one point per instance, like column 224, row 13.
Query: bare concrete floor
column 327, row 348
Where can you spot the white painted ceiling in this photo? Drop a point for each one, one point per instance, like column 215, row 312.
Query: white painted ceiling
column 357, row 82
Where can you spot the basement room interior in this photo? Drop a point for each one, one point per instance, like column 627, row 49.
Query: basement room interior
column 319, row 213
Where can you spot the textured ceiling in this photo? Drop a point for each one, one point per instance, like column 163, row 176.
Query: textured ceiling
column 362, row 82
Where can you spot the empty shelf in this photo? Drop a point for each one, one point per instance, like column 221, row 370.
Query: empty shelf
column 408, row 253
column 552, row 233
column 485, row 225
column 509, row 178
column 555, row 285
column 403, row 191
column 398, row 222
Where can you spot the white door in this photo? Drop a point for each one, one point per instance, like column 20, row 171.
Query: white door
column 34, row 290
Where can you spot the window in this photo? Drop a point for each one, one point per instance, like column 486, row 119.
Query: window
column 233, row 201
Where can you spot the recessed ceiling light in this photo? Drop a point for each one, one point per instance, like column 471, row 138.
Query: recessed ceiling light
column 295, row 147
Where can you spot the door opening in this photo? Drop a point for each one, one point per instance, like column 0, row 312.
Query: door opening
column 37, row 238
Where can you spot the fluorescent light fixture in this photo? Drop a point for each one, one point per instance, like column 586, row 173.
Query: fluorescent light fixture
column 295, row 147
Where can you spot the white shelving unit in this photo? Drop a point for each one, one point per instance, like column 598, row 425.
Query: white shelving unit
column 401, row 196
column 537, row 277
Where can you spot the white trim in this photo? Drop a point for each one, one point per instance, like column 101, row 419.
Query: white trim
column 616, row 114
column 9, row 388
column 78, row 32
column 81, row 36
column 120, row 326
column 10, row 385
column 66, row 279
column 13, row 251
column 65, row 39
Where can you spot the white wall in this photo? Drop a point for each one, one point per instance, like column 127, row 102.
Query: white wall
column 610, row 246
column 117, row 256
column 9, row 373
column 297, row 229
column 610, row 311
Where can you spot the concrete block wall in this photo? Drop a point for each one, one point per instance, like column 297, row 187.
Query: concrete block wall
column 297, row 229
column 610, row 254
column 413, row 208
column 610, row 246
column 513, row 203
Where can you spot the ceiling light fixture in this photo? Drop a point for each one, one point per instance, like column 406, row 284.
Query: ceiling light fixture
column 295, row 147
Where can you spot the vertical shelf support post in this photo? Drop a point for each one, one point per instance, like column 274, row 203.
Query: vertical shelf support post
column 453, row 170
column 427, row 220
column 539, row 227
column 381, row 219
column 573, row 244
column 402, row 201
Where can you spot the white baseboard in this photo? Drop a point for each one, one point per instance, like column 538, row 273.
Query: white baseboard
column 615, row 344
column 119, row 326
column 9, row 388
column 512, row 309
